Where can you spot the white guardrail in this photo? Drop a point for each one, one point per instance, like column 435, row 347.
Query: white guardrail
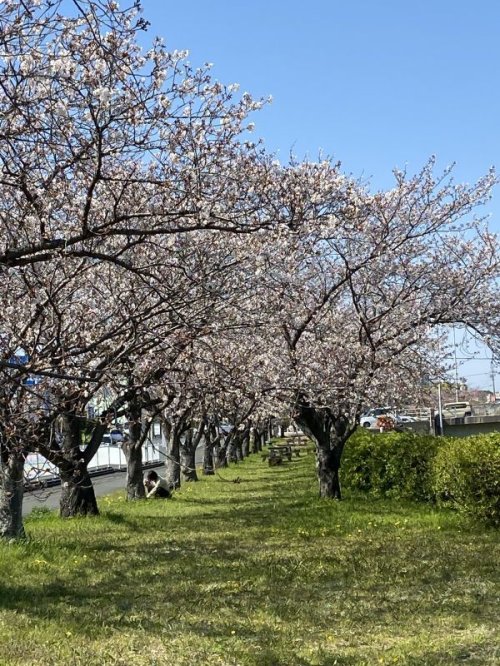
column 38, row 468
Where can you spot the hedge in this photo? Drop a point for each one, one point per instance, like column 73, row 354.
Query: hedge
column 466, row 476
column 392, row 464
column 462, row 473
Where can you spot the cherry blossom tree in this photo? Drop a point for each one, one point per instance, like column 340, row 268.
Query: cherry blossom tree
column 358, row 286
column 106, row 144
column 147, row 246
column 108, row 154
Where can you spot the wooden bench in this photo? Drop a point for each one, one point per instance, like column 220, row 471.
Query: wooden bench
column 275, row 460
column 284, row 450
column 277, row 454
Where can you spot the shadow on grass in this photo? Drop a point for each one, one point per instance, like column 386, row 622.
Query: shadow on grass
column 155, row 584
column 268, row 568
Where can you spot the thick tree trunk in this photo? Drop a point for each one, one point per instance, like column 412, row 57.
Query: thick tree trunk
column 187, row 458
column 256, row 441
column 211, row 441
column 330, row 433
column 11, row 495
column 173, row 462
column 188, row 465
column 327, row 469
column 220, row 456
column 233, row 452
column 208, row 459
column 253, row 441
column 245, row 443
column 238, row 447
column 77, row 493
column 132, row 449
column 135, row 483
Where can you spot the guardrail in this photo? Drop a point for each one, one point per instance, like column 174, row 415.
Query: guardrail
column 38, row 470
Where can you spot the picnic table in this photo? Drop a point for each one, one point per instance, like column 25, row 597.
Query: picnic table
column 277, row 453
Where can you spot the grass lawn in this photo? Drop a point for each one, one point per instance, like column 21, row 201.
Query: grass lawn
column 256, row 573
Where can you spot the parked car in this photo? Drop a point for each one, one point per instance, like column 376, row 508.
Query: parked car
column 370, row 418
column 371, row 421
column 112, row 438
column 404, row 418
column 456, row 410
column 116, row 435
column 378, row 411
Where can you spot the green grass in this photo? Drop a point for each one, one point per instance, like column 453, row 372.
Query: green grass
column 256, row 573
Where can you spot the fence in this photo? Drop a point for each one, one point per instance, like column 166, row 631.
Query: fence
column 39, row 469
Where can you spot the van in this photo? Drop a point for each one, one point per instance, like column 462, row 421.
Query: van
column 456, row 410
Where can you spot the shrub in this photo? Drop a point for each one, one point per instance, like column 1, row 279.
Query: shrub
column 466, row 476
column 393, row 464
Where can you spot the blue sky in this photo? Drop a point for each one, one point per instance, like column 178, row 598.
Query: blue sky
column 375, row 84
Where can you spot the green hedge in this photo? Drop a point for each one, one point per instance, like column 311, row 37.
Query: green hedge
column 460, row 472
column 466, row 476
column 393, row 464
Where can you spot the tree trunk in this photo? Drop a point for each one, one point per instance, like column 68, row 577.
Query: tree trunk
column 327, row 470
column 220, row 457
column 187, row 458
column 172, row 462
column 245, row 443
column 211, row 441
column 11, row 495
column 208, row 459
column 188, row 465
column 135, row 483
column 233, row 454
column 77, row 493
column 330, row 433
column 255, row 441
column 227, row 452
column 252, row 443
column 132, row 448
column 238, row 446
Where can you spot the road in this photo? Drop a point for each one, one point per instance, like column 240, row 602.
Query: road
column 49, row 497
column 103, row 485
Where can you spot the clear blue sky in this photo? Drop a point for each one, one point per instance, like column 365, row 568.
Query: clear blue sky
column 376, row 84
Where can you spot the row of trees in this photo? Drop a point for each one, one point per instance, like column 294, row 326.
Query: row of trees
column 150, row 247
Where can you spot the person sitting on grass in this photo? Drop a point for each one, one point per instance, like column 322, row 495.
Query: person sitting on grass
column 156, row 486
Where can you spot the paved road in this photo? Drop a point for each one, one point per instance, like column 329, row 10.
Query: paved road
column 103, row 485
column 49, row 498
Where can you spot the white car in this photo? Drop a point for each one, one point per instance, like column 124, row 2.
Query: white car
column 369, row 420
column 404, row 418
column 456, row 410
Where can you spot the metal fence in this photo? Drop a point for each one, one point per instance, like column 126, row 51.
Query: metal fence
column 39, row 469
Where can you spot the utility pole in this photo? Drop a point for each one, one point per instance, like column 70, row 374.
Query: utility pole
column 440, row 408
column 456, row 365
column 493, row 380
